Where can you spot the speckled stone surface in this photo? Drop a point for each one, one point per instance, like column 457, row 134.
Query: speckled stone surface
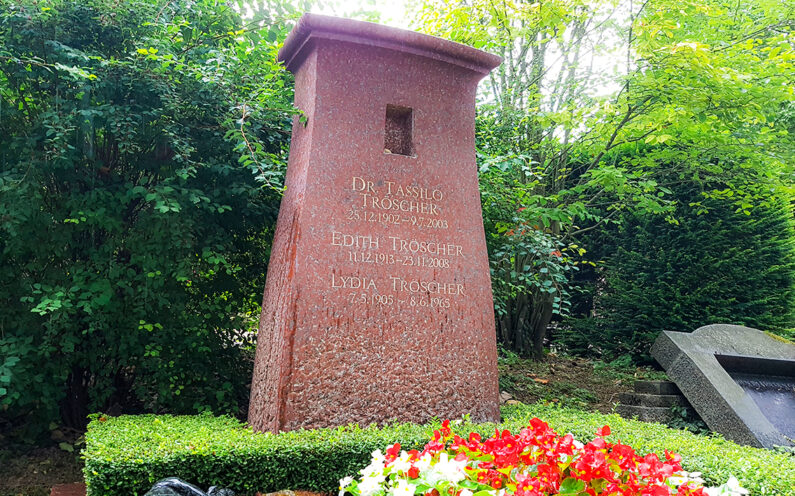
column 378, row 300
column 76, row 489
column 692, row 361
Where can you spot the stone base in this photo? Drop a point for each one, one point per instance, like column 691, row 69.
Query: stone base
column 658, row 400
column 656, row 387
column 652, row 402
column 658, row 414
column 75, row 489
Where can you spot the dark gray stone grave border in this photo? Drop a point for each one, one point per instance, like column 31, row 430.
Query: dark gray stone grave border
column 691, row 361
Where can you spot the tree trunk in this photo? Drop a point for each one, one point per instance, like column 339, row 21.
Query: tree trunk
column 74, row 407
column 541, row 317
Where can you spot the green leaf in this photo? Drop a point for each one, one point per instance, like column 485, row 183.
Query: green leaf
column 571, row 485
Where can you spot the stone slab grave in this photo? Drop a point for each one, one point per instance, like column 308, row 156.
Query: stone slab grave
column 378, row 301
column 741, row 381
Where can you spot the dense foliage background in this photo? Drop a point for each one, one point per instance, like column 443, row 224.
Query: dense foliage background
column 717, row 266
column 608, row 113
column 636, row 164
column 141, row 151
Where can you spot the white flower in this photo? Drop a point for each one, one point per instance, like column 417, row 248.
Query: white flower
column 446, row 470
column 683, row 477
column 735, row 487
column 730, row 488
column 424, row 463
column 344, row 483
column 403, row 488
column 378, row 457
column 466, row 492
column 371, row 485
column 401, row 464
column 376, row 465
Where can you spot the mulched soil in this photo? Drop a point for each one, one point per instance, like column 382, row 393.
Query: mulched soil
column 33, row 473
column 571, row 381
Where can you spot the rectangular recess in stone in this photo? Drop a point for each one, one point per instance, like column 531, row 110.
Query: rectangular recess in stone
column 770, row 383
column 399, row 130
column 374, row 253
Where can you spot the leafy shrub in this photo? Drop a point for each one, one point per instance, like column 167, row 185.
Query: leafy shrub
column 135, row 139
column 126, row 455
column 530, row 265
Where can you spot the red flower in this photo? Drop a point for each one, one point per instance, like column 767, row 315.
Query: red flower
column 596, row 444
column 623, row 455
column 656, row 490
column 536, row 460
column 549, row 477
column 392, row 452
column 690, row 490
column 674, row 460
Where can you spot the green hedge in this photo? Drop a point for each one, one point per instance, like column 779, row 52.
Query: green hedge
column 126, row 455
column 720, row 266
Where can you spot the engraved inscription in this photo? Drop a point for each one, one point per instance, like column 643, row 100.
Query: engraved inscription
column 351, row 282
column 397, row 198
column 413, row 208
column 362, row 242
column 428, row 287
column 357, row 213
column 434, row 248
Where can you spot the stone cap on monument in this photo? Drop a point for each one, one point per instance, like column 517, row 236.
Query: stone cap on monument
column 315, row 26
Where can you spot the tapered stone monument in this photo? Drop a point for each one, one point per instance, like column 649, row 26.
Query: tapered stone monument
column 378, row 301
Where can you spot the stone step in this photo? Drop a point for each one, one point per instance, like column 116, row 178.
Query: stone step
column 645, row 413
column 664, row 400
column 656, row 387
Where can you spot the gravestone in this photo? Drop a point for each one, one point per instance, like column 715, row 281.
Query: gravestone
column 741, row 381
column 378, row 301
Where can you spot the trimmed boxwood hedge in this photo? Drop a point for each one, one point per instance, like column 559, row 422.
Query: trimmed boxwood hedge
column 126, row 455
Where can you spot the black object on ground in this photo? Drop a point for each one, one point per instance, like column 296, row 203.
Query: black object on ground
column 178, row 487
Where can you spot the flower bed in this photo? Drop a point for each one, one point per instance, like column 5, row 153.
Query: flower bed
column 126, row 455
column 534, row 462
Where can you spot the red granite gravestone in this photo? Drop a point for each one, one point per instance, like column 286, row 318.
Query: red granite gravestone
column 378, row 300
